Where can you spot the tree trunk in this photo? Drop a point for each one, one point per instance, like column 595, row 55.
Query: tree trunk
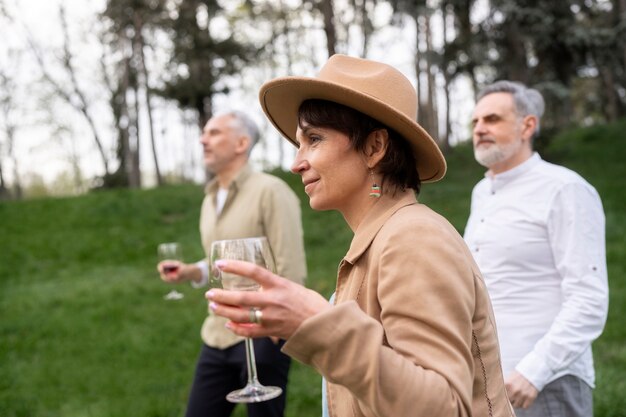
column 124, row 121
column 6, row 107
column 4, row 192
column 117, row 102
column 515, row 66
column 433, row 119
column 622, row 18
column 610, row 109
column 17, row 184
column 144, row 72
column 464, row 41
column 204, row 107
column 367, row 26
column 288, row 46
column 445, row 140
column 326, row 7
column 426, row 112
column 418, row 67
column 134, row 173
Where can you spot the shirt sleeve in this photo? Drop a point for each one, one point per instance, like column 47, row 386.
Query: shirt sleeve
column 469, row 226
column 283, row 228
column 203, row 266
column 576, row 230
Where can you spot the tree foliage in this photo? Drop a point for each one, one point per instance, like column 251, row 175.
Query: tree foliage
column 561, row 48
column 201, row 55
column 190, row 51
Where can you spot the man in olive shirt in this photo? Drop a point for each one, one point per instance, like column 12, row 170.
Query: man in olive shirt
column 240, row 203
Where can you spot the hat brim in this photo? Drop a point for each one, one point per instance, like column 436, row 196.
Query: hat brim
column 281, row 98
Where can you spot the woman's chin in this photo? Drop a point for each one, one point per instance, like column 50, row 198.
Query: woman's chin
column 317, row 204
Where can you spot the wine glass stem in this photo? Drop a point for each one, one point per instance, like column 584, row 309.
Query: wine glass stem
column 251, row 362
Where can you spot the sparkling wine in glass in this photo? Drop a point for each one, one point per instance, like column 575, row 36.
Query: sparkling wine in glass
column 256, row 250
column 170, row 255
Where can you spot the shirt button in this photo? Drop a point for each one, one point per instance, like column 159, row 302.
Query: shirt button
column 482, row 220
column 476, row 250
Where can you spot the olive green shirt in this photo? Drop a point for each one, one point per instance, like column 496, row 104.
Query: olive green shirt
column 258, row 204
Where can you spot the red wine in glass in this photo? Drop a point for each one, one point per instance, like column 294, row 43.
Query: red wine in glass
column 170, row 254
column 170, row 268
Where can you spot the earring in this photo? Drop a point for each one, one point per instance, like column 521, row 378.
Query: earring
column 375, row 190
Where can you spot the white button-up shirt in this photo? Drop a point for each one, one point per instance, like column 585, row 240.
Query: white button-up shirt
column 537, row 234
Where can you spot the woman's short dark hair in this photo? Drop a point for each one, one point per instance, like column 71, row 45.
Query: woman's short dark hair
column 397, row 166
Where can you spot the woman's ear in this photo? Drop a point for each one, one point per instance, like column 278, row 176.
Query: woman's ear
column 376, row 146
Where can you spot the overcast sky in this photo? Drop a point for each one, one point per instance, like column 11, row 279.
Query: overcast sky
column 46, row 154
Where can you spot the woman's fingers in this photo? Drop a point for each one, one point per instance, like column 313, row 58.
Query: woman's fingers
column 244, row 321
column 246, row 269
column 240, row 299
column 283, row 305
column 234, row 313
column 236, row 305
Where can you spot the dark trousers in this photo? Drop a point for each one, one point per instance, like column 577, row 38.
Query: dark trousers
column 219, row 372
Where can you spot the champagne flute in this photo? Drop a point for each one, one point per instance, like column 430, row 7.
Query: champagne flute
column 257, row 251
column 170, row 255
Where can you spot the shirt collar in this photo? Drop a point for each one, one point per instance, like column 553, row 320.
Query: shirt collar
column 374, row 221
column 241, row 177
column 498, row 181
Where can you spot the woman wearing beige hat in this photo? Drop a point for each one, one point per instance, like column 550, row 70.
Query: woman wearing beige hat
column 410, row 331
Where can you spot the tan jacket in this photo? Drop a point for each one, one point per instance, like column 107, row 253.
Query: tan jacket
column 412, row 332
column 258, row 204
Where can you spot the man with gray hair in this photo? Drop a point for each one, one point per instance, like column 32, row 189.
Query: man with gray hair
column 536, row 231
column 240, row 203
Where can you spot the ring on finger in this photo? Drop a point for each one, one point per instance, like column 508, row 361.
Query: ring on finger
column 255, row 315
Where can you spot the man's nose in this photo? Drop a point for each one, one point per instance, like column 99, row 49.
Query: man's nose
column 479, row 127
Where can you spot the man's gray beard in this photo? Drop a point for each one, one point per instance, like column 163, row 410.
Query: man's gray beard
column 489, row 157
column 496, row 153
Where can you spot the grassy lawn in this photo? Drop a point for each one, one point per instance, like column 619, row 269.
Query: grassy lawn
column 85, row 331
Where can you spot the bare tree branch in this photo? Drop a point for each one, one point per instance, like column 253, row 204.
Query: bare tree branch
column 75, row 97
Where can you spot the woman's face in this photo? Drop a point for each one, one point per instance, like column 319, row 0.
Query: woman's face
column 335, row 176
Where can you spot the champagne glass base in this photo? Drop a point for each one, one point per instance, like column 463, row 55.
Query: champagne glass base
column 173, row 295
column 254, row 393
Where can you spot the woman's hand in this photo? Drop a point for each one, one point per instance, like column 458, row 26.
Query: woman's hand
column 283, row 304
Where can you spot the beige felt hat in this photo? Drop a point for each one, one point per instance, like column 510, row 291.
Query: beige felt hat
column 373, row 88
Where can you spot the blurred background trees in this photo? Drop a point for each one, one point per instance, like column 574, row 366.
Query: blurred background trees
column 122, row 74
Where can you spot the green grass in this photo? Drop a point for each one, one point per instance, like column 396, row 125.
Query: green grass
column 84, row 330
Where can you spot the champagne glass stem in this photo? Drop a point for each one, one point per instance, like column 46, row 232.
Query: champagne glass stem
column 251, row 362
column 257, row 251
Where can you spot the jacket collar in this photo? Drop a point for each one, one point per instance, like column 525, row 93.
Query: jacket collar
column 241, row 177
column 374, row 221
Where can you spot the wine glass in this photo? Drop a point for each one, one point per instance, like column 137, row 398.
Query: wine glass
column 256, row 250
column 171, row 254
